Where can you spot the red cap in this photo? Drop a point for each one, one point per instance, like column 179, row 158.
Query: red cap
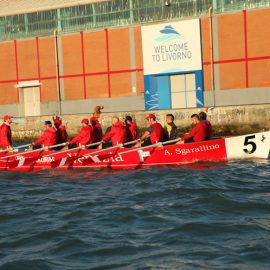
column 93, row 119
column 7, row 117
column 57, row 121
column 85, row 121
column 151, row 116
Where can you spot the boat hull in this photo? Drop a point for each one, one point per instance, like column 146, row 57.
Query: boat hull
column 252, row 146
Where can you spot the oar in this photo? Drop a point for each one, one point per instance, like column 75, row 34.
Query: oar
column 72, row 149
column 149, row 146
column 32, row 151
column 17, row 147
column 95, row 158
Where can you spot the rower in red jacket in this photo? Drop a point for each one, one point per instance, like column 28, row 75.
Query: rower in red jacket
column 5, row 133
column 117, row 134
column 48, row 138
column 154, row 132
column 203, row 118
column 86, row 135
column 96, row 129
column 132, row 129
column 60, row 131
column 197, row 134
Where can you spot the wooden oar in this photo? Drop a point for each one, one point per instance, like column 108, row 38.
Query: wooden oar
column 149, row 146
column 32, row 151
column 72, row 149
column 109, row 148
column 95, row 158
column 64, row 159
column 17, row 147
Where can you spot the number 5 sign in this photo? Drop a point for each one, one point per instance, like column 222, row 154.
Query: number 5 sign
column 248, row 146
column 249, row 140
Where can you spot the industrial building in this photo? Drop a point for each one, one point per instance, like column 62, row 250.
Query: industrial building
column 65, row 56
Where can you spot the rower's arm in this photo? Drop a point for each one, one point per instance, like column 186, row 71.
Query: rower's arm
column 145, row 135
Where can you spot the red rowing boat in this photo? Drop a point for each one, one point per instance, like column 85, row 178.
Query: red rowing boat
column 252, row 146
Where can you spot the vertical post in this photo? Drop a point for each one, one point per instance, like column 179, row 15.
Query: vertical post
column 108, row 62
column 246, row 47
column 222, row 6
column 57, row 71
column 17, row 68
column 59, row 24
column 26, row 23
column 211, row 56
column 83, row 65
column 94, row 16
column 38, row 64
column 214, row 5
column 131, row 11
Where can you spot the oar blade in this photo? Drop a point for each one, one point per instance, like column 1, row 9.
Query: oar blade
column 95, row 158
column 21, row 162
column 63, row 161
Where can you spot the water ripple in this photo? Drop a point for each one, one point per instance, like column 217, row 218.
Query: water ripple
column 200, row 216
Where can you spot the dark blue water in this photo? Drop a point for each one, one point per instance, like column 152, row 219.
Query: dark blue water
column 193, row 217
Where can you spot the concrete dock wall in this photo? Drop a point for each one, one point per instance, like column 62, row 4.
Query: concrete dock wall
column 233, row 120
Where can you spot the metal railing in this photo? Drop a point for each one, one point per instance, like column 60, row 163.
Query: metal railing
column 113, row 13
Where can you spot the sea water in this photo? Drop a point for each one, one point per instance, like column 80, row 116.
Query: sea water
column 201, row 216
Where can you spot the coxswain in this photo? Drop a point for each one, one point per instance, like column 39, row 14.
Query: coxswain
column 48, row 138
column 60, row 131
column 97, row 130
column 197, row 134
column 203, row 118
column 117, row 134
column 85, row 136
column 170, row 130
column 5, row 133
column 132, row 129
column 154, row 132
column 97, row 111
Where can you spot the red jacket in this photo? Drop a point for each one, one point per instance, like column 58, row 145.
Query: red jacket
column 48, row 138
column 61, row 134
column 157, row 134
column 208, row 130
column 5, row 136
column 132, row 131
column 97, row 134
column 117, row 134
column 198, row 133
column 86, row 136
column 98, row 125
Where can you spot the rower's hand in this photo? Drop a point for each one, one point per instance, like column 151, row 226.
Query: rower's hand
column 99, row 147
column 138, row 144
column 30, row 148
column 9, row 148
column 180, row 141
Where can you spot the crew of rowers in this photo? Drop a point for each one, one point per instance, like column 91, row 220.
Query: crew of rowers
column 119, row 133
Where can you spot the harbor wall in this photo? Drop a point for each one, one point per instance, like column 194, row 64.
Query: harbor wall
column 226, row 121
